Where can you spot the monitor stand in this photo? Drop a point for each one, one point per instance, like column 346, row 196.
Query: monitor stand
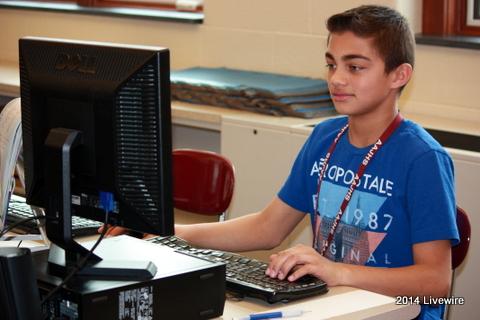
column 65, row 253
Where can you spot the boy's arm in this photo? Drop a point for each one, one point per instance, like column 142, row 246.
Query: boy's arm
column 430, row 274
column 261, row 230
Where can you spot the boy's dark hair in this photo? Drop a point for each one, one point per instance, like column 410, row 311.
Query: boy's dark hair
column 389, row 29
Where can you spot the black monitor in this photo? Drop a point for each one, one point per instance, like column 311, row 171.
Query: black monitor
column 96, row 120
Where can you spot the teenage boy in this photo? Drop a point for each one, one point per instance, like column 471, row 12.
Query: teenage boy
column 378, row 188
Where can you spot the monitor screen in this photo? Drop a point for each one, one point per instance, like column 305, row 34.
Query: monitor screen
column 96, row 119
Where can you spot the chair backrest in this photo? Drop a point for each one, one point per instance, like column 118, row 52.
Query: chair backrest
column 203, row 181
column 460, row 250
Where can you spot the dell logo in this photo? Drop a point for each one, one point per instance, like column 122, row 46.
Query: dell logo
column 76, row 62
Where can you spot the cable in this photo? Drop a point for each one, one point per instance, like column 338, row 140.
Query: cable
column 106, row 200
column 16, row 224
column 80, row 264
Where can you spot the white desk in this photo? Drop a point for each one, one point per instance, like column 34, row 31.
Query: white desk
column 338, row 303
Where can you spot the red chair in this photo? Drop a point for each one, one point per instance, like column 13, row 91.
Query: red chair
column 203, row 182
column 460, row 250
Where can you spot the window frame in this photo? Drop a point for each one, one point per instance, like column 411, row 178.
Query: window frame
column 147, row 4
column 129, row 4
column 447, row 18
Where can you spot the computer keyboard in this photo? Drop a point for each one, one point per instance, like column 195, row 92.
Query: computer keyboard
column 18, row 210
column 246, row 276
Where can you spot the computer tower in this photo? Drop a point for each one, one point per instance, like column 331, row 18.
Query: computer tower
column 19, row 299
column 183, row 288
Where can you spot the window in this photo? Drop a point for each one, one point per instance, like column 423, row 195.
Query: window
column 451, row 17
column 186, row 11
column 473, row 13
column 179, row 5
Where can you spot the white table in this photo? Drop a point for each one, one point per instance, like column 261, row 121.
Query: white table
column 338, row 303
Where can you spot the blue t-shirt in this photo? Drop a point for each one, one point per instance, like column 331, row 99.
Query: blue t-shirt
column 405, row 196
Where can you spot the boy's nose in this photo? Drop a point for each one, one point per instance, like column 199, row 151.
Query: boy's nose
column 337, row 78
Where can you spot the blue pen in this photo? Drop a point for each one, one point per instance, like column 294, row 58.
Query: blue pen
column 272, row 315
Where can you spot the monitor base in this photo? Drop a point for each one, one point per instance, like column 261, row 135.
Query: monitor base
column 101, row 268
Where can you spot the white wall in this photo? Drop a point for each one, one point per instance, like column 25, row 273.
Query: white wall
column 283, row 36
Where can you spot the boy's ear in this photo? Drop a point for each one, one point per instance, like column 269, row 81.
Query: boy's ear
column 401, row 75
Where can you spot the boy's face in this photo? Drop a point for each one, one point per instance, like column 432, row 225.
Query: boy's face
column 356, row 76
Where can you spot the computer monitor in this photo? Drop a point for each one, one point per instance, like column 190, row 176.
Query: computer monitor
column 96, row 118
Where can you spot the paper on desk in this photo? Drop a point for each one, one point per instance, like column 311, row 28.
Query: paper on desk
column 10, row 146
column 23, row 242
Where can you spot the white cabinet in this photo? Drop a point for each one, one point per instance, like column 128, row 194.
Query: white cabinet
column 467, row 282
column 196, row 138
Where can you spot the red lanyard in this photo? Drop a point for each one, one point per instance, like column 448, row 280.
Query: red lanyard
column 361, row 169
